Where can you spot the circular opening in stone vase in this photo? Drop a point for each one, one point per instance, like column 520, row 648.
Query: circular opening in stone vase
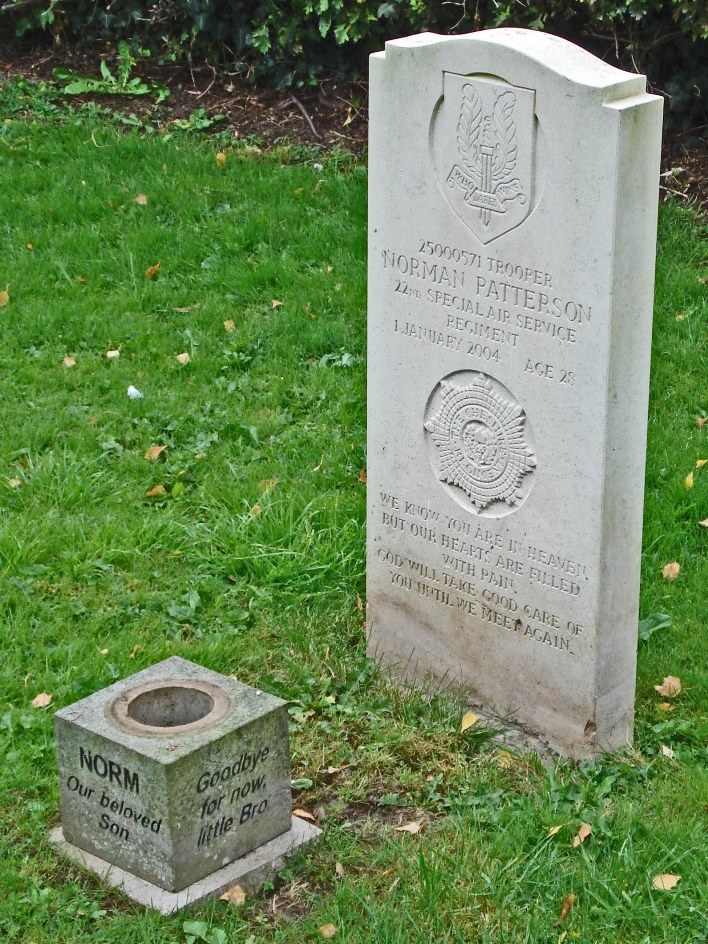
column 169, row 706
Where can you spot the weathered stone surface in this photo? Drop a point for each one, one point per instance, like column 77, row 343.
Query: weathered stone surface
column 512, row 219
column 174, row 772
column 250, row 872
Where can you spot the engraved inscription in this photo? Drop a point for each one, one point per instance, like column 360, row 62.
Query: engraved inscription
column 479, row 432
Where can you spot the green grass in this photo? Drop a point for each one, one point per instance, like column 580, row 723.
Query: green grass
column 264, row 579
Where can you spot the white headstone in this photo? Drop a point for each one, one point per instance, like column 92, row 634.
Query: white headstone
column 512, row 225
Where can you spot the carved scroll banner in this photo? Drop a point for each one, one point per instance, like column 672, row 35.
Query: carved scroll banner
column 513, row 186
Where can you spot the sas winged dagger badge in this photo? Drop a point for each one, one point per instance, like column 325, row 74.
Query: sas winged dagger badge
column 490, row 184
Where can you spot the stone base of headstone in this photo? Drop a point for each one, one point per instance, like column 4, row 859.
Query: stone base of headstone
column 250, row 872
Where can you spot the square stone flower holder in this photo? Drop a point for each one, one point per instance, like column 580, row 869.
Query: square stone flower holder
column 175, row 785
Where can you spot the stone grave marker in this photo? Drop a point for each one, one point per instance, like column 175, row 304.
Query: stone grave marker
column 175, row 784
column 512, row 221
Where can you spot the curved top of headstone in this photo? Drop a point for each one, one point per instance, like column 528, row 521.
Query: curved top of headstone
column 550, row 52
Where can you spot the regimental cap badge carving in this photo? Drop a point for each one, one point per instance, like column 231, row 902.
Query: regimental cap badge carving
column 489, row 126
column 479, row 433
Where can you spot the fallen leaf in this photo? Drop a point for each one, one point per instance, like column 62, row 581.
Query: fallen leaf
column 134, row 651
column 468, row 719
column 700, row 420
column 554, row 830
column 700, row 463
column 235, row 895
column 670, row 687
column 43, row 700
column 667, row 752
column 276, row 304
column 671, row 571
column 141, row 199
column 328, row 930
column 4, row 297
column 69, row 361
column 229, row 325
column 688, row 481
column 665, row 882
column 256, row 510
column 111, row 355
column 220, row 158
column 504, row 760
column 582, row 835
column 153, row 453
column 413, row 827
column 303, row 814
column 134, row 393
column 15, row 483
column 183, row 358
column 359, row 604
column 566, row 905
column 104, row 652
column 362, row 476
column 665, row 706
column 339, row 870
column 156, row 491
column 704, row 523
column 152, row 271
column 265, row 485
column 680, row 316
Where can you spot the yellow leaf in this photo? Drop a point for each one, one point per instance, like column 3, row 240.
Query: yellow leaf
column 235, row 895
column 671, row 571
column 220, row 158
column 665, row 706
column 4, row 297
column 665, row 882
column 43, row 700
column 554, row 830
column 667, row 752
column 468, row 719
column 265, row 485
column 276, row 304
column 303, row 814
column 256, row 510
column 704, row 523
column 701, row 421
column 111, row 355
column 229, row 325
column 339, row 870
column 413, row 827
column 152, row 271
column 153, row 453
column 688, row 481
column 156, row 491
column 141, row 199
column 29, row 246
column 134, row 651
column 566, row 905
column 670, row 687
column 183, row 358
column 328, row 930
column 700, row 463
column 69, row 361
column 582, row 835
column 680, row 316
column 348, row 120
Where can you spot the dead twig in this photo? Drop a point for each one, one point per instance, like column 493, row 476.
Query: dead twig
column 305, row 115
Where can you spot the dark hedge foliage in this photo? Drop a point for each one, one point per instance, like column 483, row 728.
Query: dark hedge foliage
column 298, row 41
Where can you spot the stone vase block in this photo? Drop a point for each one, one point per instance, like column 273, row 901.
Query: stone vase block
column 173, row 773
column 513, row 190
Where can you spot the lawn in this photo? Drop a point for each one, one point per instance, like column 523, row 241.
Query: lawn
column 240, row 545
